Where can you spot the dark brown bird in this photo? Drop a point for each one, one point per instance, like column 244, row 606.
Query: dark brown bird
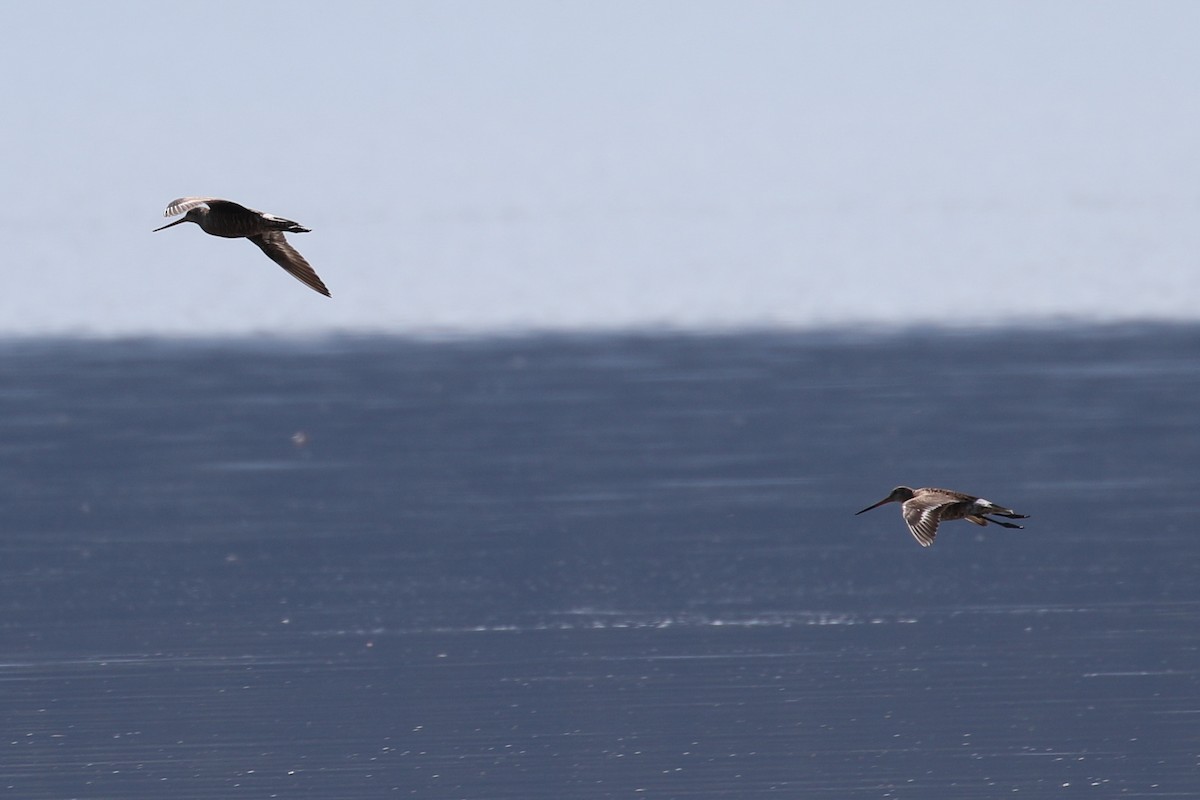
column 924, row 509
column 232, row 221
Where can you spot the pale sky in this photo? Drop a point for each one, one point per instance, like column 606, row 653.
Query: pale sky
column 491, row 166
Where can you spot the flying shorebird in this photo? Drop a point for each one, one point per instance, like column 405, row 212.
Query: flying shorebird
column 923, row 509
column 225, row 218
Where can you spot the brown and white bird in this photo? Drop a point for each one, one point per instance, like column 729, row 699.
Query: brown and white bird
column 924, row 509
column 225, row 218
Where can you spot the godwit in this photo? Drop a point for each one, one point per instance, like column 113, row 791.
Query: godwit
column 228, row 219
column 923, row 509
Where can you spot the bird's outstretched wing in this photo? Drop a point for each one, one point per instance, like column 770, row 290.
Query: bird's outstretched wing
column 278, row 250
column 923, row 514
column 186, row 204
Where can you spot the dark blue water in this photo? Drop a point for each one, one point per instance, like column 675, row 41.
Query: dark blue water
column 605, row 567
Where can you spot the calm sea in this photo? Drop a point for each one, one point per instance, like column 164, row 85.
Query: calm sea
column 550, row 567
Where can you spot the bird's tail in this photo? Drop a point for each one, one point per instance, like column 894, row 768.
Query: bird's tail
column 988, row 507
column 287, row 225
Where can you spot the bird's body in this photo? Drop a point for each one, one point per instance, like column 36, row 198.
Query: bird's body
column 227, row 219
column 924, row 509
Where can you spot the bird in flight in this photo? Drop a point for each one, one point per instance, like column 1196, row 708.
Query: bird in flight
column 924, row 509
column 227, row 219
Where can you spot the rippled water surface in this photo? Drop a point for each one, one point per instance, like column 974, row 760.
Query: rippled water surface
column 602, row 567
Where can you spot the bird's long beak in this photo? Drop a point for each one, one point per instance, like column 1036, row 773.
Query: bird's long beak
column 877, row 505
column 169, row 224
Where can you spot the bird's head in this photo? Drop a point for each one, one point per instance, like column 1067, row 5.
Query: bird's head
column 899, row 495
column 193, row 215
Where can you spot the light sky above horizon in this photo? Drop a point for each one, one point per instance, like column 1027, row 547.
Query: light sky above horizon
column 475, row 167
